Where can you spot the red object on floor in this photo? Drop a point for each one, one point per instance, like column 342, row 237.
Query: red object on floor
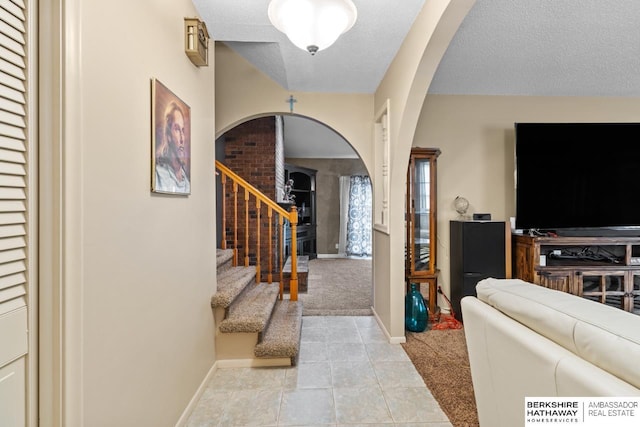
column 446, row 321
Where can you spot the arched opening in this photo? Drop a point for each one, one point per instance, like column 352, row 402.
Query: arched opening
column 268, row 151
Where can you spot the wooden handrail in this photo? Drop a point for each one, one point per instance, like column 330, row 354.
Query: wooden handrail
column 272, row 208
column 259, row 194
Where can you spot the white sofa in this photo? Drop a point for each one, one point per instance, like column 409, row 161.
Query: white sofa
column 525, row 340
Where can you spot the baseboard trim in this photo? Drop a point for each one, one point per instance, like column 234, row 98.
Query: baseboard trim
column 392, row 340
column 184, row 418
column 342, row 255
column 329, row 256
column 227, row 363
column 254, row 363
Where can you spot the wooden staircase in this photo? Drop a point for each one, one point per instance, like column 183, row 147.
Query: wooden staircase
column 255, row 326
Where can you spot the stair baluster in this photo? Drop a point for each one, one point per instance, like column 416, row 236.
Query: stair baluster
column 246, row 227
column 281, row 249
column 258, row 226
column 272, row 207
column 270, row 264
column 235, row 223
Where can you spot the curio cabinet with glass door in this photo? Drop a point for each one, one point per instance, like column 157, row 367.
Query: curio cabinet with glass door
column 421, row 236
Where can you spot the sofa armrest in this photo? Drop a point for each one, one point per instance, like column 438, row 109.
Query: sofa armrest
column 602, row 335
column 510, row 362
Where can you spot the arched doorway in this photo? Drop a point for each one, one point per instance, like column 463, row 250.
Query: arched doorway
column 264, row 151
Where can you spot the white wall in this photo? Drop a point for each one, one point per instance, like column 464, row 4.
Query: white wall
column 405, row 86
column 476, row 136
column 244, row 92
column 141, row 270
column 141, row 267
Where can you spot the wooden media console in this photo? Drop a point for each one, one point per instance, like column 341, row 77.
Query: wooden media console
column 603, row 269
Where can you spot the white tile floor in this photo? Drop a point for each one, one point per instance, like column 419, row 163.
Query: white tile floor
column 347, row 375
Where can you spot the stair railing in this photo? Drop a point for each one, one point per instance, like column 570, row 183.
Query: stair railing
column 272, row 208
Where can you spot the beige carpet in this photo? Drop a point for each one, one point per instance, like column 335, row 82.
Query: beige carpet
column 338, row 287
column 442, row 360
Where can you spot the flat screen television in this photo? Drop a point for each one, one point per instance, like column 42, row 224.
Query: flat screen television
column 578, row 178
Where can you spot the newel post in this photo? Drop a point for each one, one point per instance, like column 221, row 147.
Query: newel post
column 293, row 282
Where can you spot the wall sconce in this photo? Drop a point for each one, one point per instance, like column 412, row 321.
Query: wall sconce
column 196, row 41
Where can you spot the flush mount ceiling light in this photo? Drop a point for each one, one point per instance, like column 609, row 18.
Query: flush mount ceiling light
column 312, row 25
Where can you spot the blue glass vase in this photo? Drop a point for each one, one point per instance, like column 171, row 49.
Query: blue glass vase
column 416, row 313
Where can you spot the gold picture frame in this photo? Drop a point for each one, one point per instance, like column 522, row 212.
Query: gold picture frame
column 171, row 142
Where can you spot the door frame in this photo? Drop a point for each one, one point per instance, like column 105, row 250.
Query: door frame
column 60, row 373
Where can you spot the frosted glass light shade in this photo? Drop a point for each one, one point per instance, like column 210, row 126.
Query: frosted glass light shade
column 312, row 25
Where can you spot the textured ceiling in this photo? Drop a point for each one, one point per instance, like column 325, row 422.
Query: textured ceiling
column 356, row 63
column 544, row 48
column 503, row 47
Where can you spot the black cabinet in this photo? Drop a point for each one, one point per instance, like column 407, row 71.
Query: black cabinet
column 304, row 197
column 479, row 249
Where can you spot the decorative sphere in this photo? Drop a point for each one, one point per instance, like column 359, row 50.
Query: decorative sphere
column 461, row 204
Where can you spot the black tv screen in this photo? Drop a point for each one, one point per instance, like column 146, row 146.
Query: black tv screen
column 578, row 176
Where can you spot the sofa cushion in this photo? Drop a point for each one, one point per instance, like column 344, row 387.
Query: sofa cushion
column 604, row 336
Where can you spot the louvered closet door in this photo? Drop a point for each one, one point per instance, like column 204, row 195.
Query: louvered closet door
column 13, row 212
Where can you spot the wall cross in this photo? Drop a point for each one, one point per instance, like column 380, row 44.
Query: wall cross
column 291, row 101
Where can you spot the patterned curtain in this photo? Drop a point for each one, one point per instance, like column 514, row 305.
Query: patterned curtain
column 359, row 222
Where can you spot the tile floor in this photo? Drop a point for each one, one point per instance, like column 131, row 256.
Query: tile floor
column 347, row 375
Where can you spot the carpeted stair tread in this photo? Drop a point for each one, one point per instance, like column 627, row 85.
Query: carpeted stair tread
column 223, row 259
column 231, row 283
column 252, row 309
column 282, row 337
